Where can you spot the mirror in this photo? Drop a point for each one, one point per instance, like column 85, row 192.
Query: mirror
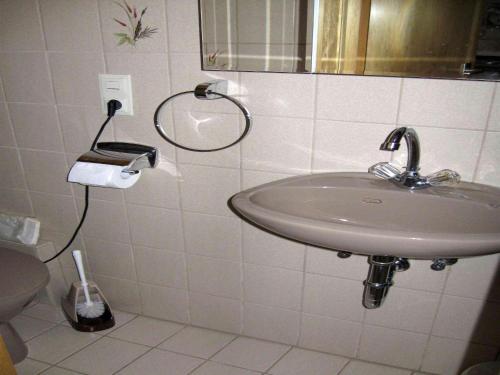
column 402, row 38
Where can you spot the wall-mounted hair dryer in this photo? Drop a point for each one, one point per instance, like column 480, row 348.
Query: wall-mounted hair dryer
column 113, row 164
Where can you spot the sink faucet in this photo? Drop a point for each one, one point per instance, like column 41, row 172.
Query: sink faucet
column 410, row 178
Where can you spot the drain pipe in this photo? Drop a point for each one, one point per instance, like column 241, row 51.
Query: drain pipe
column 379, row 280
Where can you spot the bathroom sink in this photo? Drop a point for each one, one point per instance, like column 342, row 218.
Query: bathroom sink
column 360, row 213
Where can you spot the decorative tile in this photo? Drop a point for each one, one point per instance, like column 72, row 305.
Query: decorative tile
column 154, row 17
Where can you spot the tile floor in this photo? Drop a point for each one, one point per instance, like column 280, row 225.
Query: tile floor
column 140, row 345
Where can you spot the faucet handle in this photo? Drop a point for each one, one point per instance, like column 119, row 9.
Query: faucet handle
column 444, row 177
column 384, row 170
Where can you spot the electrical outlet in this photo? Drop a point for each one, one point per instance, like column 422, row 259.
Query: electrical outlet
column 119, row 87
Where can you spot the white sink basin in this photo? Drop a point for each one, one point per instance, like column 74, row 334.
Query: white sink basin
column 360, row 213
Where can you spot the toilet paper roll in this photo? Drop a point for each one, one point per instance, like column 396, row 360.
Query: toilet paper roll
column 103, row 175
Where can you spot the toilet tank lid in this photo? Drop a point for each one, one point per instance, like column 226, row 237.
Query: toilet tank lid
column 20, row 274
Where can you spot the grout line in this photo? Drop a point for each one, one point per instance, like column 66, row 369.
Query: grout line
column 16, row 147
column 176, row 155
column 77, row 351
column 132, row 255
column 134, row 360
column 279, row 359
column 485, row 134
column 302, row 294
column 197, row 367
column 426, row 350
column 241, row 224
column 314, row 125
column 344, row 367
column 400, row 100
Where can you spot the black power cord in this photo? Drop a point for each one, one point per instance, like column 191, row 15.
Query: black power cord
column 113, row 106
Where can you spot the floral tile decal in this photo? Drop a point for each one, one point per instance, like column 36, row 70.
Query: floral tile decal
column 135, row 30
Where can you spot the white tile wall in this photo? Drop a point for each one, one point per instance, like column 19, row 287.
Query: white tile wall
column 358, row 99
column 171, row 248
column 65, row 22
column 445, row 103
column 36, row 126
column 279, row 144
column 333, row 297
column 330, row 335
column 22, row 29
column 396, row 347
column 271, row 323
column 333, row 153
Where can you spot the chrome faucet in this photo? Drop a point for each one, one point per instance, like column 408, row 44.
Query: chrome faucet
column 410, row 178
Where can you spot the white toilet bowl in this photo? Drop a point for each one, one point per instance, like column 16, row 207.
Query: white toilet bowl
column 21, row 277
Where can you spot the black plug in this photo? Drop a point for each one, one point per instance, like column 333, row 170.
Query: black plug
column 113, row 106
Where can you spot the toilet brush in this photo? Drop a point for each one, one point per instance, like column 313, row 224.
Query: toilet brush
column 88, row 308
column 85, row 306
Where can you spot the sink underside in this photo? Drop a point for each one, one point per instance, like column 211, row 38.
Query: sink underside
column 360, row 213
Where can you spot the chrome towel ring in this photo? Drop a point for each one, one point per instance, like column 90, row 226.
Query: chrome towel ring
column 205, row 91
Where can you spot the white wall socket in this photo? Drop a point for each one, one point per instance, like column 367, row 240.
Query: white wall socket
column 119, row 87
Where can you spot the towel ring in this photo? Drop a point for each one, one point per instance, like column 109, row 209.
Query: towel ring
column 205, row 91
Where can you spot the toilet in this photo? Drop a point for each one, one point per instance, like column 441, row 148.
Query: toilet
column 486, row 368
column 21, row 277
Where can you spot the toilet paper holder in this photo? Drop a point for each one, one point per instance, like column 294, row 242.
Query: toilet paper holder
column 131, row 156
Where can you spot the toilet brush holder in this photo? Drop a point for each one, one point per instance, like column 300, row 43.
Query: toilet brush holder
column 75, row 297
